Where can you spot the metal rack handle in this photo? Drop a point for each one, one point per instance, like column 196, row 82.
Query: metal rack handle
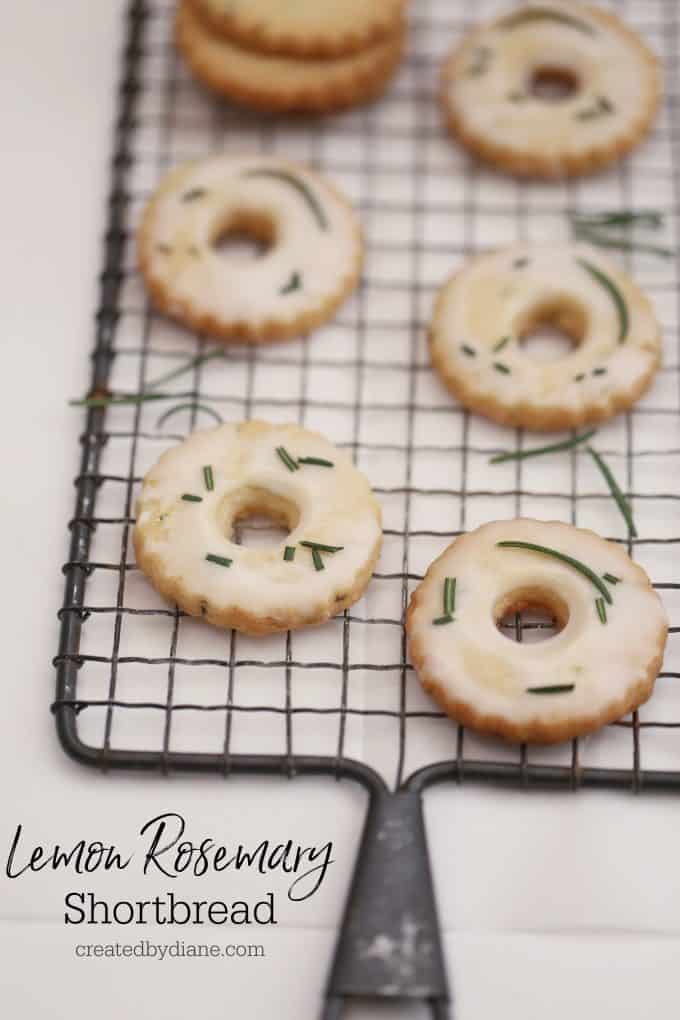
column 389, row 945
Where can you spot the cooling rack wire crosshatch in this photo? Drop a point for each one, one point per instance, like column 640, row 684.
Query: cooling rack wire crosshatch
column 170, row 683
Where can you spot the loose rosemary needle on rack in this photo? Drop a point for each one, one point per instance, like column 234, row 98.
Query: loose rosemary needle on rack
column 621, row 501
column 537, row 451
column 568, row 444
column 615, row 229
column 105, row 399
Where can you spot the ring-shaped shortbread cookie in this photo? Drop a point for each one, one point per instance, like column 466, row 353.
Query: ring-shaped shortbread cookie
column 198, row 489
column 602, row 664
column 313, row 240
column 486, row 309
column 313, row 28
column 280, row 84
column 494, row 89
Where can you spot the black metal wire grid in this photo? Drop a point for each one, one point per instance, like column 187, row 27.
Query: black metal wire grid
column 139, row 685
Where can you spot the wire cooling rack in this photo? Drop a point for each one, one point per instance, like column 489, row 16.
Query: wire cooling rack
column 139, row 684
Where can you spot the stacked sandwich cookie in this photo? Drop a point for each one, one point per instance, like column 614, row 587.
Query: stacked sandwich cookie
column 307, row 57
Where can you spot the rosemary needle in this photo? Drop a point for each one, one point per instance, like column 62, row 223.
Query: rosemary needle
column 318, row 461
column 142, row 398
column 614, row 230
column 321, row 547
column 551, row 689
column 200, row 359
column 221, row 561
column 621, row 500
column 107, row 401
column 299, row 184
column 621, row 243
column 290, row 463
column 569, row 560
column 624, row 218
column 449, row 595
column 614, row 293
column 316, row 557
column 567, row 444
column 188, row 405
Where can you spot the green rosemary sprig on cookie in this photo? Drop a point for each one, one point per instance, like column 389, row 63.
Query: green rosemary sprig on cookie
column 448, row 602
column 221, row 561
column 294, row 283
column 193, row 195
column 316, row 461
column 529, row 14
column 569, row 560
column 289, row 461
column 614, row 292
column 449, row 595
column 322, row 548
column 602, row 108
column 317, row 560
column 299, row 185
column 317, row 548
column 551, row 689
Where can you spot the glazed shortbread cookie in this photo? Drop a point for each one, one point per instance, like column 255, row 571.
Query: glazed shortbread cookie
column 485, row 310
column 285, row 84
column 312, row 262
column 494, row 89
column 601, row 665
column 192, row 497
column 306, row 28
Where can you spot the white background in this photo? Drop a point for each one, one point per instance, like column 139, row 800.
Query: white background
column 552, row 905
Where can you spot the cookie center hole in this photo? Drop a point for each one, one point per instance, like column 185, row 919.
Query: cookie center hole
column 553, row 84
column 552, row 331
column 259, row 519
column 244, row 238
column 531, row 615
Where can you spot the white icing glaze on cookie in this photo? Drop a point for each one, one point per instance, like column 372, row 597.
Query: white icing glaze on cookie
column 313, row 260
column 484, row 310
column 481, row 677
column 487, row 88
column 259, row 591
